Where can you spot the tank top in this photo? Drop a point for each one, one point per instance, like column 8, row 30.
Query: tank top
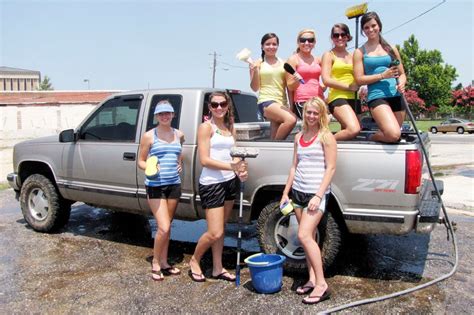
column 310, row 73
column 219, row 150
column 385, row 87
column 168, row 155
column 272, row 83
column 311, row 166
column 344, row 73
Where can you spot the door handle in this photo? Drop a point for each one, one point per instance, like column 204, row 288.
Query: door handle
column 129, row 156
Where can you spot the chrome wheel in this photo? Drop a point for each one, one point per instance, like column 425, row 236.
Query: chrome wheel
column 38, row 204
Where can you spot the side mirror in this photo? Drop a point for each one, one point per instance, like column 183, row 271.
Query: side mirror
column 67, row 135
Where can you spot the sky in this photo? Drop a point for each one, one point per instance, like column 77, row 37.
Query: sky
column 129, row 45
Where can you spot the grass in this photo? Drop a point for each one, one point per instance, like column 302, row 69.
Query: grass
column 4, row 186
column 422, row 125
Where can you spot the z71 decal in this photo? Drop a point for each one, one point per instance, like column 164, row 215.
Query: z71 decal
column 376, row 185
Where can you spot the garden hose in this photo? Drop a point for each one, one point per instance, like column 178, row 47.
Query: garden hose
column 447, row 222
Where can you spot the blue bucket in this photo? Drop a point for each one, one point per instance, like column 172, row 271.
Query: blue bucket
column 266, row 271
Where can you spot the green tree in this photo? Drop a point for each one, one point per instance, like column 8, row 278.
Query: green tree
column 46, row 84
column 427, row 73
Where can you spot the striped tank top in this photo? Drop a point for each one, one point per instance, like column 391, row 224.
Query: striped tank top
column 168, row 155
column 311, row 166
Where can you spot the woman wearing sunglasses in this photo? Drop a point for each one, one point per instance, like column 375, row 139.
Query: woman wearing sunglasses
column 308, row 68
column 338, row 75
column 163, row 188
column 373, row 66
column 267, row 76
column 217, row 183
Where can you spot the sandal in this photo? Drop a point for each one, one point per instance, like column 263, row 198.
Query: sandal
column 171, row 271
column 326, row 295
column 157, row 273
column 226, row 276
column 305, row 289
column 194, row 276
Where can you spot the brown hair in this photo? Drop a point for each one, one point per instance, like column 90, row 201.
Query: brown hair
column 343, row 28
column 385, row 45
column 229, row 116
column 264, row 39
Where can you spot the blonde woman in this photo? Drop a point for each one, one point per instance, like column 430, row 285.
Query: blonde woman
column 308, row 68
column 314, row 165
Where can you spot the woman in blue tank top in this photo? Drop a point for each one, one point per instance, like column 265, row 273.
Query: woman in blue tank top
column 164, row 186
column 372, row 67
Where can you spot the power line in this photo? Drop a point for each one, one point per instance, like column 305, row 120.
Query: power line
column 419, row 15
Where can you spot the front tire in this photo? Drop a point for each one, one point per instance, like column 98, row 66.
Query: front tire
column 279, row 234
column 42, row 206
column 434, row 130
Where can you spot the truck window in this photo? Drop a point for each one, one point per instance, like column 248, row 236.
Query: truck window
column 115, row 120
column 176, row 101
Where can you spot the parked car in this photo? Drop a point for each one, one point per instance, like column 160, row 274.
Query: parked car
column 369, row 124
column 458, row 125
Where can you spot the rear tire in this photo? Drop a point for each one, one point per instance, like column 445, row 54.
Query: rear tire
column 434, row 130
column 278, row 234
column 42, row 206
column 460, row 130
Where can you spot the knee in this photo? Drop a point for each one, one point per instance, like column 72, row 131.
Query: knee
column 164, row 229
column 216, row 235
column 304, row 237
column 353, row 130
column 291, row 120
column 392, row 135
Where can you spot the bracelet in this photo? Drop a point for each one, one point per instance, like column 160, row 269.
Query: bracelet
column 381, row 76
column 320, row 198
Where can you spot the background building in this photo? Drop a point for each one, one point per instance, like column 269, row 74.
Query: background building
column 13, row 79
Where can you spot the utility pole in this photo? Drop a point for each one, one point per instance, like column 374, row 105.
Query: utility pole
column 214, row 65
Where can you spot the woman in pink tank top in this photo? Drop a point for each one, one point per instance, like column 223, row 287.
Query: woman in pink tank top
column 308, row 68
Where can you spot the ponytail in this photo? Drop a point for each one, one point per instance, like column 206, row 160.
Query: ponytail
column 263, row 56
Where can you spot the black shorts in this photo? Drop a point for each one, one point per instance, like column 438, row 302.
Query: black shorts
column 215, row 195
column 298, row 109
column 355, row 105
column 301, row 200
column 164, row 192
column 395, row 103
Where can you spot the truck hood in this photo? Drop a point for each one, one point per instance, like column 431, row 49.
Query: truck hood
column 47, row 139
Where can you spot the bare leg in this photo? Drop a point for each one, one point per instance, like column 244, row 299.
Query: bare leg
column 215, row 230
column 172, row 204
column 350, row 126
column 311, row 274
column 218, row 246
column 159, row 209
column 308, row 224
column 388, row 124
column 285, row 120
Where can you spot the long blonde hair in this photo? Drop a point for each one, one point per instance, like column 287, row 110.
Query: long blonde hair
column 323, row 122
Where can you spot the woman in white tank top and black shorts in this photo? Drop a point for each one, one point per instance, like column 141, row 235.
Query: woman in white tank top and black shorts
column 217, row 183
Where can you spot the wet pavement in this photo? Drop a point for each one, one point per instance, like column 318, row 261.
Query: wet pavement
column 100, row 262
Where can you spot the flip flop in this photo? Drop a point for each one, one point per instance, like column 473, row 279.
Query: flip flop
column 304, row 289
column 158, row 273
column 193, row 275
column 326, row 295
column 223, row 276
column 171, row 271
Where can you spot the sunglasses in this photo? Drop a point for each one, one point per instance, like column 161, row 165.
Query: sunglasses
column 217, row 104
column 303, row 40
column 339, row 35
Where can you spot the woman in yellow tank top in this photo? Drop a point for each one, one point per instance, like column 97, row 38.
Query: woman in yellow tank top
column 267, row 76
column 338, row 75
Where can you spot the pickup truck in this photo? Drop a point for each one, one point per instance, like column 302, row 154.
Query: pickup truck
column 377, row 188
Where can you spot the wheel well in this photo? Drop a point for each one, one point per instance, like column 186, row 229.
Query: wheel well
column 31, row 167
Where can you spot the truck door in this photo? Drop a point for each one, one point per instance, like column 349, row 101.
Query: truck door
column 101, row 166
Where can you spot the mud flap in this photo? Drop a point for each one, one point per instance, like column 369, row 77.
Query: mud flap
column 429, row 208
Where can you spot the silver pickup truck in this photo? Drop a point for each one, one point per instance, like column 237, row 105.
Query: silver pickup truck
column 377, row 188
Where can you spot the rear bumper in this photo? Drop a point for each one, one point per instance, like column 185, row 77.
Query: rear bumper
column 430, row 207
column 12, row 179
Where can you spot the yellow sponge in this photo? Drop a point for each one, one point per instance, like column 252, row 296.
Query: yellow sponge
column 152, row 167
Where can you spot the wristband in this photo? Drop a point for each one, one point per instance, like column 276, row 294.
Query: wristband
column 381, row 76
column 320, row 198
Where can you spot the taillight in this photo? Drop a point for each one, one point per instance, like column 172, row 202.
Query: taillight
column 413, row 167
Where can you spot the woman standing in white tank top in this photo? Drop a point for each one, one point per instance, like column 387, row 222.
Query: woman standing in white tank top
column 217, row 183
column 314, row 165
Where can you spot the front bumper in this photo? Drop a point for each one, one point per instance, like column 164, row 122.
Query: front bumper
column 12, row 179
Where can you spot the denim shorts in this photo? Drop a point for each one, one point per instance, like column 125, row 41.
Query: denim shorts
column 261, row 107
